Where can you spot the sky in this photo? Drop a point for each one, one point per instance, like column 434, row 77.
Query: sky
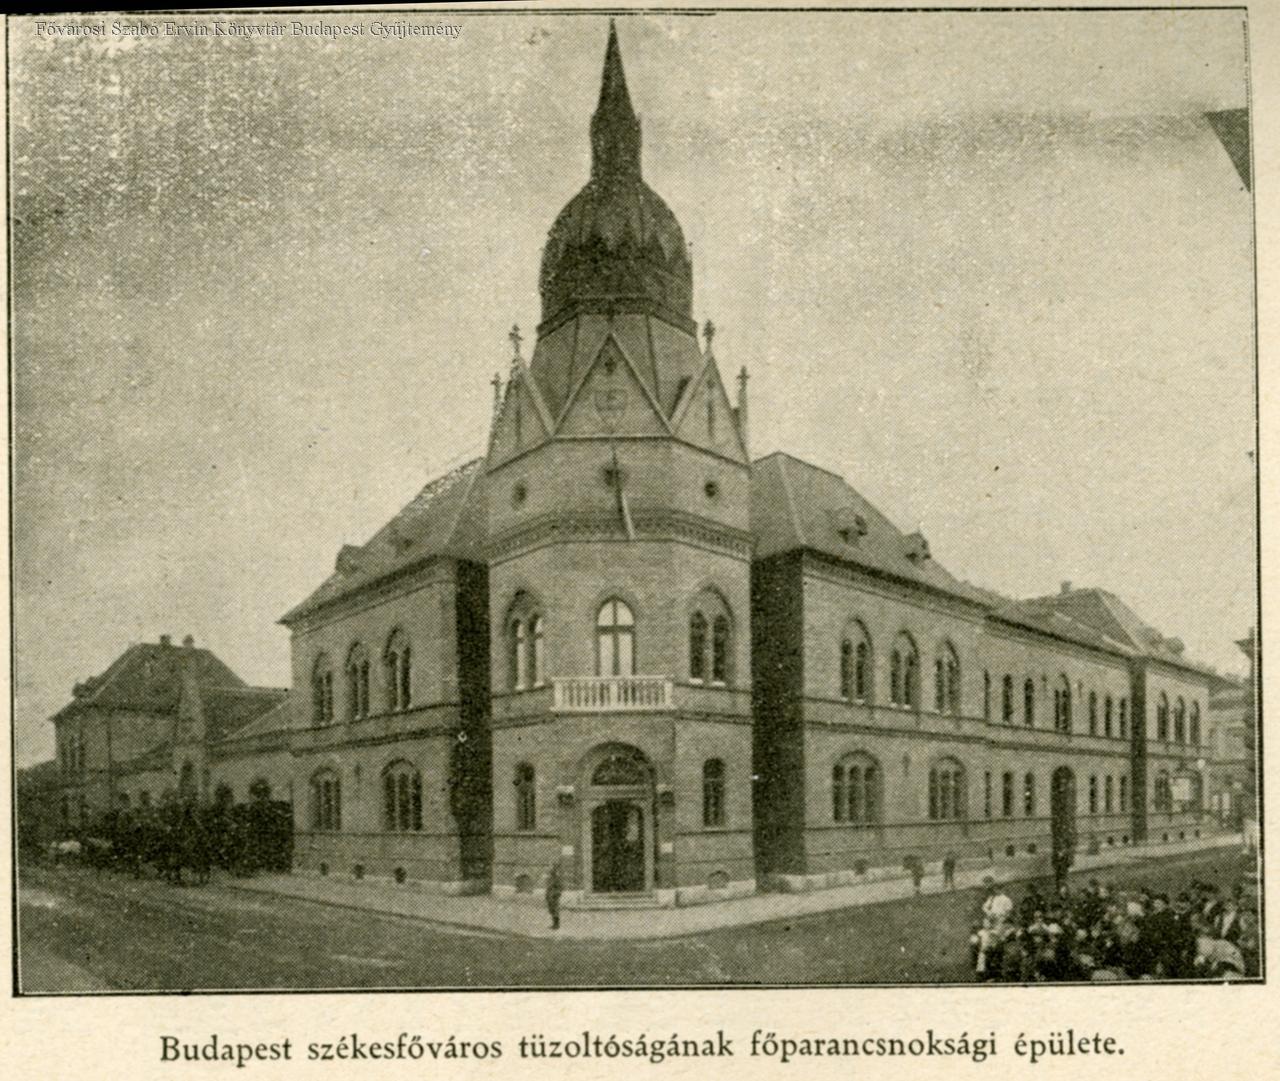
column 994, row 268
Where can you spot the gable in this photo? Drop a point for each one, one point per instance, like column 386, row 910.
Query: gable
column 520, row 424
column 705, row 418
column 611, row 399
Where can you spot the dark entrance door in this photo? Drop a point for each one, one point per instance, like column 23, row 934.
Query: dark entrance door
column 1062, row 821
column 617, row 848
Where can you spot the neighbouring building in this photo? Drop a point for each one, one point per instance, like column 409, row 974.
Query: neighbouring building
column 618, row 642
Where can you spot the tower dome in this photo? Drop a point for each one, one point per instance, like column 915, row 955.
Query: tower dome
column 616, row 245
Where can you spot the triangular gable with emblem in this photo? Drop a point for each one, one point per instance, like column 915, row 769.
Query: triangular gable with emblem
column 523, row 422
column 704, row 417
column 611, row 400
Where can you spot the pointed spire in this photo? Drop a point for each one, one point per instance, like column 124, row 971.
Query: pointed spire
column 615, row 128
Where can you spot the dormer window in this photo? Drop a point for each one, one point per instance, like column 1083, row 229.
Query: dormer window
column 848, row 524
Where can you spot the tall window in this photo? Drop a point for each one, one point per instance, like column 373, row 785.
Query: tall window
column 986, row 795
column 1093, row 713
column 862, row 670
column 357, row 683
column 615, row 639
column 525, row 644
column 1162, row 794
column 399, row 671
column 322, row 691
column 1162, row 717
column 986, row 696
column 1180, row 721
column 1093, row 794
column 1106, row 716
column 720, row 650
column 904, row 673
column 1108, row 800
column 1124, row 718
column 401, row 798
column 1029, row 701
column 855, row 665
column 946, row 680
column 855, row 790
column 1029, row 795
column 697, row 647
column 1006, row 795
column 1006, row 700
column 1124, row 793
column 946, row 791
column 1195, row 724
column 526, row 797
column 326, row 801
column 1062, row 705
column 713, row 792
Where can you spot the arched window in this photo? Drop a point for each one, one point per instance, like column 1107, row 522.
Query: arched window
column 1108, row 800
column 1029, row 795
column 947, row 799
column 357, row 683
column 1124, row 718
column 1124, row 794
column 1093, row 713
column 1062, row 705
column 946, row 680
column 1029, row 702
column 1162, row 717
column 713, row 792
column 855, row 664
column 862, row 670
column 720, row 650
column 986, row 795
column 904, row 672
column 986, row 696
column 1195, row 724
column 397, row 660
column 1180, row 721
column 1006, row 700
column 1106, row 716
column 1093, row 794
column 615, row 639
column 1162, row 793
column 536, row 673
column 326, row 801
column 855, row 790
column 697, row 647
column 526, row 797
column 401, row 798
column 322, row 691
column 1006, row 794
column 525, row 633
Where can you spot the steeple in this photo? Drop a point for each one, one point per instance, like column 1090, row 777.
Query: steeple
column 615, row 128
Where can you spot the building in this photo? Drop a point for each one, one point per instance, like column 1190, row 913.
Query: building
column 619, row 642
column 1232, row 745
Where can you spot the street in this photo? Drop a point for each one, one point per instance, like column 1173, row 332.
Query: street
column 80, row 932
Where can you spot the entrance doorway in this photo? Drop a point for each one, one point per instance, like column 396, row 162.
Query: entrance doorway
column 1062, row 815
column 617, row 848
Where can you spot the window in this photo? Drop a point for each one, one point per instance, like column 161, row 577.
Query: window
column 326, row 801
column 946, row 680
column 322, row 691
column 615, row 640
column 698, row 647
column 862, row 671
column 536, row 637
column 713, row 792
column 1162, row 794
column 519, row 654
column 1062, row 705
column 1029, row 702
column 986, row 795
column 1195, row 724
column 1162, row 717
column 1029, row 795
column 946, row 791
column 1108, row 801
column 1093, row 713
column 525, row 644
column 526, row 797
column 1106, row 716
column 720, row 650
column 1124, row 718
column 855, row 790
column 1124, row 794
column 1006, row 700
column 357, row 683
column 399, row 682
column 1180, row 721
column 1093, row 794
column 401, row 798
column 986, row 696
column 855, row 665
column 904, row 672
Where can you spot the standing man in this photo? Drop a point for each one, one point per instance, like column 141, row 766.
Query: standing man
column 555, row 887
column 949, row 871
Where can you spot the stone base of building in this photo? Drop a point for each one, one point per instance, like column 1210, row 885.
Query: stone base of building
column 678, row 897
column 457, row 887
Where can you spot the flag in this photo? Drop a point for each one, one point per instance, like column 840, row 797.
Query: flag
column 624, row 511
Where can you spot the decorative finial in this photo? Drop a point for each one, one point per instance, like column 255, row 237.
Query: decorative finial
column 516, row 339
column 615, row 128
column 497, row 390
column 709, row 333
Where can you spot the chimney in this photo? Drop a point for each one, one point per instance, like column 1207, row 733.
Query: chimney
column 1066, row 587
column 166, row 640
column 189, row 642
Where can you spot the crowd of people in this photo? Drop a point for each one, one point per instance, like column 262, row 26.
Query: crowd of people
column 1104, row 933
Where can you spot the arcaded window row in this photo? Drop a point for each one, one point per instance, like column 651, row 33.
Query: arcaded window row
column 397, row 682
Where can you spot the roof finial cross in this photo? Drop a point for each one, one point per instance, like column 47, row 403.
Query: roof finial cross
column 709, row 333
column 516, row 338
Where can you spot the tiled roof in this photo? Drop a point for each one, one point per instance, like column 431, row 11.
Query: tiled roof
column 229, row 710
column 797, row 505
column 446, row 518
column 147, row 677
column 276, row 718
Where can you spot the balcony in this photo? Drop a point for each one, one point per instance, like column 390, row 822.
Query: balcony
column 612, row 694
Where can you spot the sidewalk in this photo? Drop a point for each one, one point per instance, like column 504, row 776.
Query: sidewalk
column 527, row 918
